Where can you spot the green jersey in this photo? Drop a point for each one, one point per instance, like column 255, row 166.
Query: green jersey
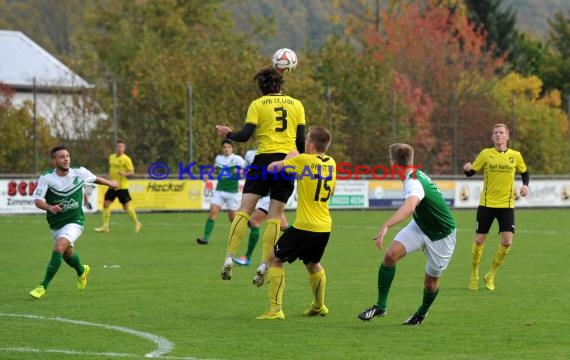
column 227, row 168
column 65, row 191
column 432, row 213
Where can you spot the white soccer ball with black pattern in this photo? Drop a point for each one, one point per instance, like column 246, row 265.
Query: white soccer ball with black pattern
column 284, row 60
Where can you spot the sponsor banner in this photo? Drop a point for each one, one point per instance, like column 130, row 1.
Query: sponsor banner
column 350, row 194
column 390, row 193
column 16, row 197
column 543, row 193
column 160, row 195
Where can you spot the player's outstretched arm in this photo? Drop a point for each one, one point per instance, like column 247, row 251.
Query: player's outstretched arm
column 405, row 211
column 225, row 132
column 109, row 183
column 276, row 166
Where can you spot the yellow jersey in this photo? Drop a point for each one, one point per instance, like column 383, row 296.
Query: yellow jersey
column 316, row 180
column 499, row 168
column 276, row 118
column 117, row 164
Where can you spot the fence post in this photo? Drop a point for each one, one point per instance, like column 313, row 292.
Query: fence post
column 329, row 110
column 115, row 120
column 455, row 131
column 568, row 131
column 34, row 90
column 513, row 119
column 393, row 116
column 190, row 126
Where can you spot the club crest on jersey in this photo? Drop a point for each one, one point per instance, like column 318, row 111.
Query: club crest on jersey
column 512, row 159
column 68, row 204
column 75, row 180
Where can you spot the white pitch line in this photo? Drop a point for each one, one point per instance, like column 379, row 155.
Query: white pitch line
column 90, row 353
column 164, row 345
column 69, row 352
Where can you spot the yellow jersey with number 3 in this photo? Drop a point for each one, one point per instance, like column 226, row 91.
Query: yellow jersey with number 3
column 117, row 164
column 499, row 169
column 276, row 118
column 316, row 180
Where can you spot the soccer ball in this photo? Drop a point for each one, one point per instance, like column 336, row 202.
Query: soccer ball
column 284, row 60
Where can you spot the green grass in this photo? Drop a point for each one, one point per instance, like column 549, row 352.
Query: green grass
column 169, row 286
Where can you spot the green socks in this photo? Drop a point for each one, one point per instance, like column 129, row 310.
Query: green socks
column 208, row 229
column 75, row 262
column 253, row 239
column 53, row 266
column 385, row 277
column 428, row 300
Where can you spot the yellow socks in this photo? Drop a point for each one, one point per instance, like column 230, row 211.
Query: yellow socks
column 500, row 255
column 276, row 282
column 238, row 230
column 132, row 214
column 269, row 238
column 106, row 217
column 477, row 252
column 318, row 283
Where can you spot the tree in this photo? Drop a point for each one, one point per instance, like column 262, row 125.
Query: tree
column 443, row 56
column 17, row 129
column 528, row 55
column 498, row 23
column 51, row 23
column 540, row 128
column 555, row 70
column 360, row 105
column 153, row 51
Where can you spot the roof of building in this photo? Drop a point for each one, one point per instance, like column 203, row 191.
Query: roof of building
column 22, row 60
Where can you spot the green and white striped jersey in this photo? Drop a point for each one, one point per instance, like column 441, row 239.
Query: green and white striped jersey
column 65, row 191
column 432, row 214
column 226, row 167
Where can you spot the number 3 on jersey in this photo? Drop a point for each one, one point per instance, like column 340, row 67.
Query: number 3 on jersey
column 281, row 115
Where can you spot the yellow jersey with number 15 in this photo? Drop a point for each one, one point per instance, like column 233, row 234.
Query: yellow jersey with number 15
column 316, row 180
column 276, row 118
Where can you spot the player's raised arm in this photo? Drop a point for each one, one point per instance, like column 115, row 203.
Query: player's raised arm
column 241, row 136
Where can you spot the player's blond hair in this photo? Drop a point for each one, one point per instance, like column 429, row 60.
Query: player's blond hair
column 402, row 154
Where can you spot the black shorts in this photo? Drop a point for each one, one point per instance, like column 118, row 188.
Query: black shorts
column 122, row 194
column 301, row 244
column 504, row 216
column 260, row 182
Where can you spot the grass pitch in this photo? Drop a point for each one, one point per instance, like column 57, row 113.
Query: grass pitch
column 158, row 292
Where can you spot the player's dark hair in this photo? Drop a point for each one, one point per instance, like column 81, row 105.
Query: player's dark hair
column 269, row 80
column 226, row 141
column 321, row 137
column 56, row 149
column 120, row 141
column 402, row 154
